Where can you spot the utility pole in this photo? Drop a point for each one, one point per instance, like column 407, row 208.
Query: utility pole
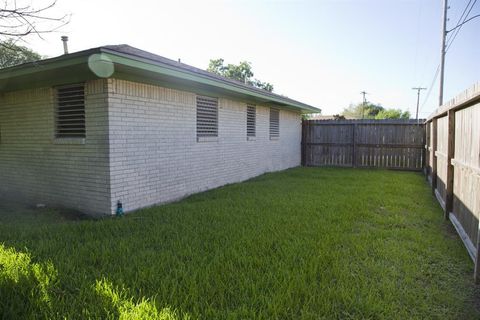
column 364, row 103
column 442, row 52
column 418, row 99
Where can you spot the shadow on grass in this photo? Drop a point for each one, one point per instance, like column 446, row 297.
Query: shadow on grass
column 17, row 212
column 31, row 290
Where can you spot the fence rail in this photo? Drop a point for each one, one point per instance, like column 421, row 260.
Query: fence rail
column 392, row 144
column 453, row 166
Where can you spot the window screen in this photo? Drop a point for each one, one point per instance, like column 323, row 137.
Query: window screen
column 70, row 111
column 274, row 123
column 251, row 121
column 207, row 116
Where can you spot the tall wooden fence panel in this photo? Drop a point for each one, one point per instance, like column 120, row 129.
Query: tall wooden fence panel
column 441, row 154
column 393, row 144
column 454, row 166
column 429, row 153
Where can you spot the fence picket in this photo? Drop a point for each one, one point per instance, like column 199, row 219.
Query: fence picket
column 394, row 144
column 453, row 166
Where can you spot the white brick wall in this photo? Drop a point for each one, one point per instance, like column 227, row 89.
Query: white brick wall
column 155, row 156
column 40, row 169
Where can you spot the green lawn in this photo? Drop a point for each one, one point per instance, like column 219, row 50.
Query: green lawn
column 305, row 243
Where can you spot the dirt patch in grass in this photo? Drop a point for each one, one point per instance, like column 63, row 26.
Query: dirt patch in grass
column 19, row 212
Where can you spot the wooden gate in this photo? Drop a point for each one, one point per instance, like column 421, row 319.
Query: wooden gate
column 392, row 144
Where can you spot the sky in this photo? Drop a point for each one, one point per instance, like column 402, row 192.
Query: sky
column 323, row 53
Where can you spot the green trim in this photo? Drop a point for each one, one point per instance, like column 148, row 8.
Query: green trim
column 34, row 67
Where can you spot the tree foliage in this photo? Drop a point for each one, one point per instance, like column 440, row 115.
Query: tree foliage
column 20, row 18
column 338, row 117
column 374, row 111
column 12, row 54
column 240, row 72
column 393, row 114
column 369, row 111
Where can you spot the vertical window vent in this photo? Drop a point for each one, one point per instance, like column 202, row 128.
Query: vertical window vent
column 251, row 121
column 70, row 111
column 274, row 123
column 207, row 117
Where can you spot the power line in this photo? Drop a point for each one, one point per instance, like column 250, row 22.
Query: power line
column 463, row 13
column 430, row 88
column 459, row 19
column 459, row 25
column 465, row 21
column 450, row 40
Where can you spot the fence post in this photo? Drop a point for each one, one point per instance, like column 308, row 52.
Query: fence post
column 476, row 269
column 303, row 144
column 426, row 159
column 424, row 151
column 354, row 146
column 450, row 169
column 434, row 156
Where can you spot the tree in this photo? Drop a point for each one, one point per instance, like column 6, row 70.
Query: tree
column 20, row 18
column 369, row 111
column 263, row 85
column 12, row 54
column 393, row 114
column 374, row 111
column 241, row 72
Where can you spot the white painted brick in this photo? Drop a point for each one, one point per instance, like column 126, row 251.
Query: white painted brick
column 155, row 156
column 141, row 149
column 35, row 169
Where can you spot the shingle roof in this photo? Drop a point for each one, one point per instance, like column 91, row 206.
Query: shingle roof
column 76, row 65
column 132, row 51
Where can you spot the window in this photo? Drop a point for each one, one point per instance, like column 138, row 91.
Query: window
column 274, row 123
column 207, row 117
column 70, row 111
column 251, row 121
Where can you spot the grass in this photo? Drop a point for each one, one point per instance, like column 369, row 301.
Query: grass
column 305, row 243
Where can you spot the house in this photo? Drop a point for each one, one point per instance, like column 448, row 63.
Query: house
column 115, row 123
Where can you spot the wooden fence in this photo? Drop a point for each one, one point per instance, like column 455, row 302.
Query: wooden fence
column 392, row 144
column 453, row 166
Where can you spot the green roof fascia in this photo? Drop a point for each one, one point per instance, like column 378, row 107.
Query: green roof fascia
column 50, row 72
column 42, row 65
column 147, row 65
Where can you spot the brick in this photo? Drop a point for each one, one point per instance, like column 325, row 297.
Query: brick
column 141, row 148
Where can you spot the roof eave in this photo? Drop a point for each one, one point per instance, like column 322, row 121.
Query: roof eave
column 160, row 68
column 107, row 56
